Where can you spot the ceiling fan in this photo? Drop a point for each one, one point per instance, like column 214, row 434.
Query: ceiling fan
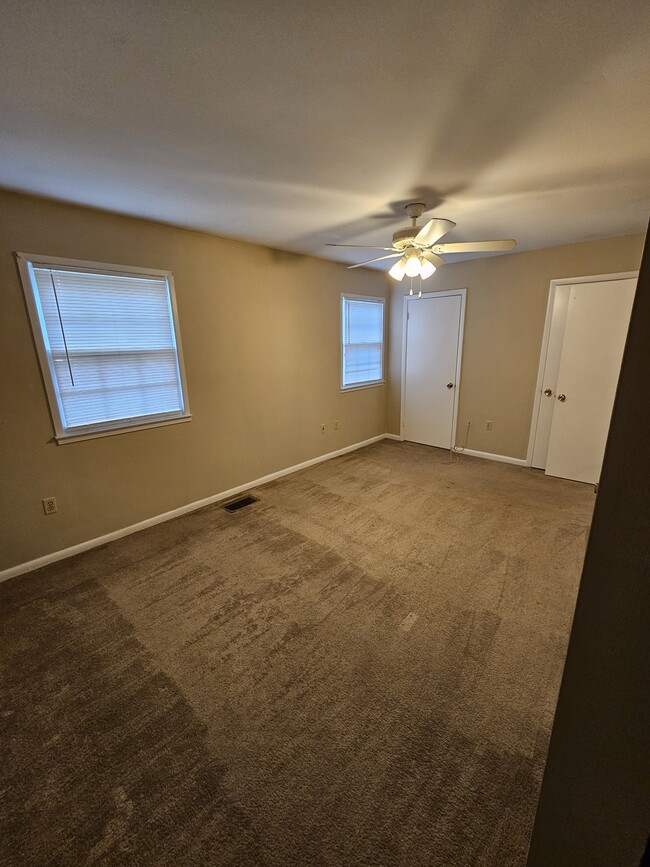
column 417, row 250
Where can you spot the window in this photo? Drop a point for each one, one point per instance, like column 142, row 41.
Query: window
column 362, row 337
column 108, row 343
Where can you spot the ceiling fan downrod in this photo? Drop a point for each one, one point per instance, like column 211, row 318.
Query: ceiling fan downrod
column 415, row 211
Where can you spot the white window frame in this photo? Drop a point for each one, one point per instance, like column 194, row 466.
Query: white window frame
column 374, row 383
column 26, row 264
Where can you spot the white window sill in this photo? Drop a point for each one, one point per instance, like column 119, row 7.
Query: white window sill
column 362, row 385
column 64, row 439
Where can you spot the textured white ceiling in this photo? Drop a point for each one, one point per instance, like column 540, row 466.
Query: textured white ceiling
column 296, row 123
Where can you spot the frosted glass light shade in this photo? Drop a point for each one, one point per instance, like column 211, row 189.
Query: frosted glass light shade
column 427, row 269
column 413, row 266
column 398, row 270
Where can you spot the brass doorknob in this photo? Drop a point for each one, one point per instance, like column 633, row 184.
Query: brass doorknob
column 450, row 385
column 548, row 392
column 561, row 397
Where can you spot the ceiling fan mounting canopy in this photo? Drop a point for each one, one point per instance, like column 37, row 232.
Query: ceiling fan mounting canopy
column 417, row 249
column 415, row 209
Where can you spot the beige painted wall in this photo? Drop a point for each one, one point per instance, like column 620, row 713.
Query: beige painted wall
column 504, row 324
column 260, row 332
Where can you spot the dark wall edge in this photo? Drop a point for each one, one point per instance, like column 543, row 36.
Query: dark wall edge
column 594, row 807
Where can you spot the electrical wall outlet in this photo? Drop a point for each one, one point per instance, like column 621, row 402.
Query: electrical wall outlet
column 49, row 505
column 336, row 425
column 488, row 425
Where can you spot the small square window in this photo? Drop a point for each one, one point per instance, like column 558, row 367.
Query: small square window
column 108, row 344
column 362, row 339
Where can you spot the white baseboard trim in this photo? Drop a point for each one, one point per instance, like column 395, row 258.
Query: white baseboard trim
column 504, row 459
column 39, row 562
column 394, row 437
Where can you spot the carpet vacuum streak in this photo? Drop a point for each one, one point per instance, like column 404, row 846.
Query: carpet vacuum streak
column 359, row 669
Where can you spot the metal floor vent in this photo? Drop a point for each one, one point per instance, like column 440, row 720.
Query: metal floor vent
column 240, row 504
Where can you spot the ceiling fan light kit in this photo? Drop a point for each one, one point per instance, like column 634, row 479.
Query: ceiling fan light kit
column 413, row 266
column 417, row 250
column 398, row 270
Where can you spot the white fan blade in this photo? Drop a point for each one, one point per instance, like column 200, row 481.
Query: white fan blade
column 433, row 230
column 360, row 246
column 435, row 260
column 378, row 259
column 475, row 246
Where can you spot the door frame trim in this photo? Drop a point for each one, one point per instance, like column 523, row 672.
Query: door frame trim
column 462, row 293
column 554, row 284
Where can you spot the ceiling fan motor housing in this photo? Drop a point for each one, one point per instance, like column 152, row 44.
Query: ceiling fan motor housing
column 403, row 237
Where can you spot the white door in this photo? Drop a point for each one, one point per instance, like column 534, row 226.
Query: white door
column 560, row 302
column 431, row 364
column 596, row 324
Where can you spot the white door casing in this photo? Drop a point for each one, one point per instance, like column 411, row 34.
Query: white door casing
column 584, row 337
column 432, row 346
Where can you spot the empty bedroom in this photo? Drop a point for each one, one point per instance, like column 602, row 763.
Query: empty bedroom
column 324, row 392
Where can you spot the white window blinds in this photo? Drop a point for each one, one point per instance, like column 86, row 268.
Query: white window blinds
column 363, row 340
column 111, row 347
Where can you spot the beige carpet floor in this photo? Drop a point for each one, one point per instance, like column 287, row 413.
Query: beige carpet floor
column 359, row 669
